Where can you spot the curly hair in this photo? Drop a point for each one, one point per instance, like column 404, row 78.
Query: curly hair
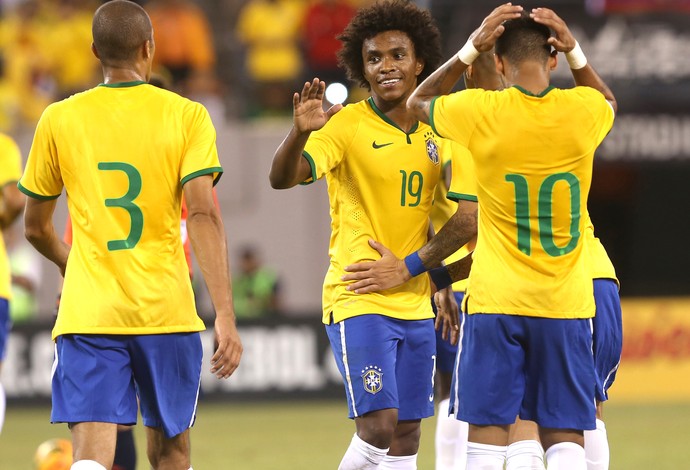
column 390, row 15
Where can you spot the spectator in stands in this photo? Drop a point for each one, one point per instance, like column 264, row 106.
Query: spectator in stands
column 184, row 47
column 270, row 31
column 68, row 45
column 24, row 45
column 324, row 20
column 255, row 287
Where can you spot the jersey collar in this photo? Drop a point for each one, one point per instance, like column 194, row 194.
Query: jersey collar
column 385, row 118
column 529, row 93
column 123, row 84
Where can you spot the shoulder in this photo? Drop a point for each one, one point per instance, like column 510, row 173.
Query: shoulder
column 584, row 93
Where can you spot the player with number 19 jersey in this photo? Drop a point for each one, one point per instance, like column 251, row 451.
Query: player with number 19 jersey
column 532, row 224
column 126, row 272
column 381, row 183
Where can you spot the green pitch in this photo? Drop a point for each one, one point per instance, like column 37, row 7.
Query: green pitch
column 297, row 435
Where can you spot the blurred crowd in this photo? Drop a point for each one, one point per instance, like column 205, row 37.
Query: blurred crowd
column 241, row 58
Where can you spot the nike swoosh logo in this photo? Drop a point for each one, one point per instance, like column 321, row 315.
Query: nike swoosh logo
column 378, row 146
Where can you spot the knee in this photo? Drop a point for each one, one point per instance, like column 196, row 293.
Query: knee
column 406, row 437
column 377, row 429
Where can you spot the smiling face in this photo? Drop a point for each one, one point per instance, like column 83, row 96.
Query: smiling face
column 391, row 66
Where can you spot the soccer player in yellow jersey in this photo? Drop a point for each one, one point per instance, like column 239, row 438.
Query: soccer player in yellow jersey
column 11, row 204
column 456, row 194
column 381, row 166
column 527, row 342
column 127, row 327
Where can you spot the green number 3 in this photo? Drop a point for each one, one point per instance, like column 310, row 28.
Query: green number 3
column 545, row 215
column 127, row 203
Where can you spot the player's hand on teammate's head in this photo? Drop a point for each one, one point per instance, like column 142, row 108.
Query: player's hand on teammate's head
column 374, row 276
column 492, row 27
column 308, row 113
column 563, row 39
column 226, row 358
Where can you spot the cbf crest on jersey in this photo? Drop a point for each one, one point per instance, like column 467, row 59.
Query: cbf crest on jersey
column 372, row 377
column 431, row 147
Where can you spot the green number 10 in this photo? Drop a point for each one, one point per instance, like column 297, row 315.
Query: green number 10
column 545, row 214
column 126, row 202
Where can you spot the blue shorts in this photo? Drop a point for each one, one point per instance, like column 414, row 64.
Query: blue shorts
column 541, row 369
column 5, row 326
column 386, row 363
column 608, row 335
column 446, row 352
column 97, row 378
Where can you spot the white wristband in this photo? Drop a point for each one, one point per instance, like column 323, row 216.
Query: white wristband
column 576, row 58
column 468, row 53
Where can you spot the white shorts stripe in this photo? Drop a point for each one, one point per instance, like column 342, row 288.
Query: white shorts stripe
column 343, row 345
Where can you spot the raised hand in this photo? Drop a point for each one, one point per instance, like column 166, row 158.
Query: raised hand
column 492, row 27
column 563, row 41
column 308, row 113
column 375, row 276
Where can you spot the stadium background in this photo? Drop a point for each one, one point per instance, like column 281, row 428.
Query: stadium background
column 638, row 203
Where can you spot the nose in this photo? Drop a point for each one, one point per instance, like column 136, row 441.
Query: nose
column 387, row 64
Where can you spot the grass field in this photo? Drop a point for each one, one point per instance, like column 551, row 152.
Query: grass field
column 313, row 436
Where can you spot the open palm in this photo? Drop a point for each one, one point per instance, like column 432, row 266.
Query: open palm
column 308, row 113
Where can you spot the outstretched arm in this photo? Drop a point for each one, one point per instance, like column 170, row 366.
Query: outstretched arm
column 289, row 168
column 564, row 41
column 441, row 82
column 207, row 235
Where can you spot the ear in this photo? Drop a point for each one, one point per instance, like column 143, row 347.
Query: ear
column 419, row 67
column 499, row 64
column 94, row 51
column 149, row 48
column 553, row 60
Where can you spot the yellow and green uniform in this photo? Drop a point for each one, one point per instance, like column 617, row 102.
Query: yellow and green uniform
column 463, row 186
column 10, row 172
column 123, row 153
column 600, row 264
column 534, row 170
column 381, row 183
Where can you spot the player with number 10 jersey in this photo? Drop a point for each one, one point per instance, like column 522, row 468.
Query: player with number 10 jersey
column 535, row 220
column 118, row 198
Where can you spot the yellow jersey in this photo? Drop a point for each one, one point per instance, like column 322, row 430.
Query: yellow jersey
column 123, row 153
column 600, row 264
column 533, row 158
column 463, row 186
column 381, row 183
column 10, row 172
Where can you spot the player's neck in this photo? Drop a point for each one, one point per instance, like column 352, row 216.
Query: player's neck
column 122, row 75
column 531, row 76
column 396, row 111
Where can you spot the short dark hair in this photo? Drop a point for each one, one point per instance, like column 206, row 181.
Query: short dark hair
column 390, row 15
column 524, row 39
column 119, row 29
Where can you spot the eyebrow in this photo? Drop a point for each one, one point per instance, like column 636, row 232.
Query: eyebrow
column 392, row 50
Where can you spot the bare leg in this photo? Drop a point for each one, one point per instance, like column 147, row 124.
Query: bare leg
column 378, row 427
column 168, row 453
column 406, row 438
column 94, row 441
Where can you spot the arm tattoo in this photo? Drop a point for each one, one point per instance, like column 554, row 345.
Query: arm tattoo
column 457, row 232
